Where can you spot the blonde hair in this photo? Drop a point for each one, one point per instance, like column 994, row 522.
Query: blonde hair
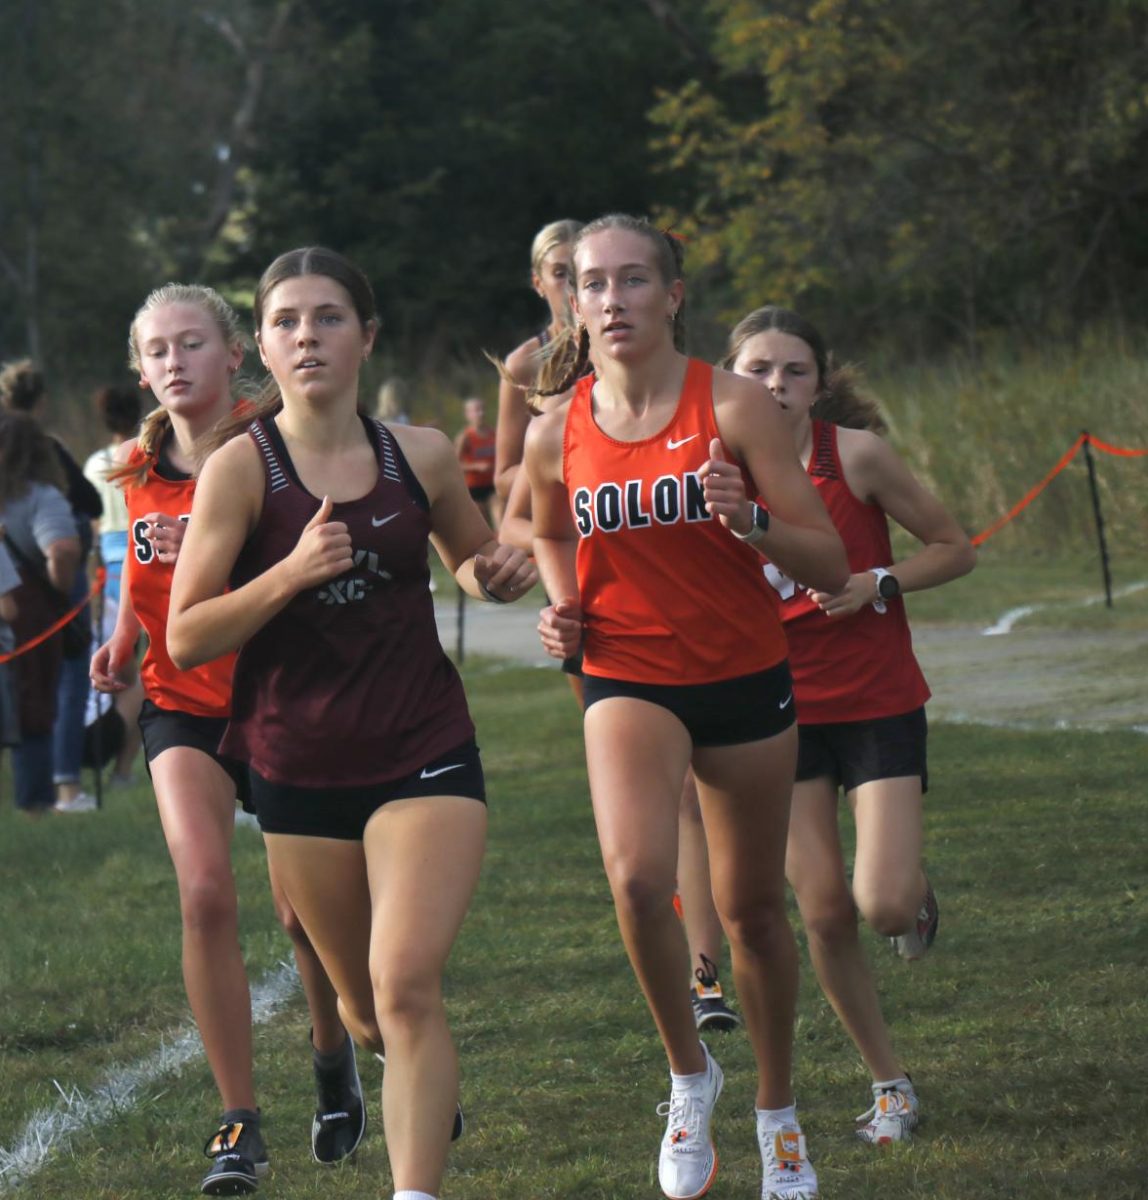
column 567, row 356
column 157, row 424
column 557, row 233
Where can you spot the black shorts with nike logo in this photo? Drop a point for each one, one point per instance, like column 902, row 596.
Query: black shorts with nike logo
column 343, row 812
column 729, row 712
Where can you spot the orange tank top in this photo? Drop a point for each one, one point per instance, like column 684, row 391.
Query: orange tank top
column 668, row 594
column 204, row 691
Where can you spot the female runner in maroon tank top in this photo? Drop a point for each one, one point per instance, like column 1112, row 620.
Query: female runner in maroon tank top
column 364, row 771
column 860, row 693
column 675, row 670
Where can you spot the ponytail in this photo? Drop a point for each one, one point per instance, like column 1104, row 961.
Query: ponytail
column 840, row 403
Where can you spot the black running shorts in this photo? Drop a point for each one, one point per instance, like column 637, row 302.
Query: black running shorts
column 165, row 728
column 343, row 812
column 855, row 752
column 727, row 713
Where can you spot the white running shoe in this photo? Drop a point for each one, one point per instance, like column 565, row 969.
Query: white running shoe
column 688, row 1161
column 81, row 802
column 787, row 1173
column 916, row 940
column 893, row 1117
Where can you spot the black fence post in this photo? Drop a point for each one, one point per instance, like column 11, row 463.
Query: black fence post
column 1099, row 515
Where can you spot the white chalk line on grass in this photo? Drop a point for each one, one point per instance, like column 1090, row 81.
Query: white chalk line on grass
column 49, row 1130
column 1004, row 624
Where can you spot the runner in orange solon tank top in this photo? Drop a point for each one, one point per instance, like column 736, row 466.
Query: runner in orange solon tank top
column 640, row 511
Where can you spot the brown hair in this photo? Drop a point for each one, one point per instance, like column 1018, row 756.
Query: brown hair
column 294, row 264
column 27, row 456
column 157, row 424
column 21, row 386
column 565, row 359
column 839, row 402
column 119, row 409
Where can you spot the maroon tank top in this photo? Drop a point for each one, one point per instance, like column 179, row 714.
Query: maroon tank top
column 348, row 685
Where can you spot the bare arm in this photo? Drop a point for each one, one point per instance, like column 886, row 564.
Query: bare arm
column 459, row 532
column 108, row 662
column 513, row 415
column 801, row 538
column 555, row 537
column 62, row 558
column 516, row 528
column 877, row 475
column 205, row 621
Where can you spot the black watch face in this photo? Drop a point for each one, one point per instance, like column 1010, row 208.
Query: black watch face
column 888, row 587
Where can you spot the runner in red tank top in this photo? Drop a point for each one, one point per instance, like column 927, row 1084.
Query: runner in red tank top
column 860, row 692
column 327, row 577
column 186, row 345
column 637, row 539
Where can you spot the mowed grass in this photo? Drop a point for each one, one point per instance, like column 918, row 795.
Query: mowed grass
column 1024, row 1029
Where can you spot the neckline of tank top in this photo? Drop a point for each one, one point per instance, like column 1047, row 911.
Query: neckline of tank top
column 164, row 467
column 696, row 368
column 375, row 433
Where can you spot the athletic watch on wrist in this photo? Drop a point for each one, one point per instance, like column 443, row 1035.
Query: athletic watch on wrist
column 758, row 529
column 888, row 585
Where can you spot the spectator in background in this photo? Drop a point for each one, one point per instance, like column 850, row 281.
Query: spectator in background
column 22, row 390
column 119, row 408
column 475, row 449
column 9, row 582
column 41, row 537
column 391, row 402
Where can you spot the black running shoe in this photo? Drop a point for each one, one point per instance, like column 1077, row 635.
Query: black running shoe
column 710, row 1008
column 340, row 1114
column 238, row 1159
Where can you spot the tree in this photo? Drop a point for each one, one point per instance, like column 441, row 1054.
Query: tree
column 920, row 170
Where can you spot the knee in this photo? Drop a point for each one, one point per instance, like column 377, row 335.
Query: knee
column 404, row 998
column 640, row 894
column 892, row 916
column 208, row 903
column 830, row 920
column 891, row 908
column 756, row 924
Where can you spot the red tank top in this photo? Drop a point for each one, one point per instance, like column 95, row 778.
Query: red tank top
column 348, row 684
column 669, row 595
column 478, row 447
column 851, row 668
column 206, row 690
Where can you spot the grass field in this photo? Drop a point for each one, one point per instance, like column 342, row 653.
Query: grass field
column 1024, row 1029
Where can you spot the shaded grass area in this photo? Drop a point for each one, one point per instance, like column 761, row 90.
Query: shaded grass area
column 1023, row 1030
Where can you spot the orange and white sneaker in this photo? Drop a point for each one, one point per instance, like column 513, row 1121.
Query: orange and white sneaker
column 687, row 1162
column 787, row 1173
column 894, row 1115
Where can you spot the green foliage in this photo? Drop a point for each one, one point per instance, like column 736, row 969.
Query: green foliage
column 918, row 170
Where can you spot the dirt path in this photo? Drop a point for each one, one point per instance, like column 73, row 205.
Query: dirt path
column 1034, row 679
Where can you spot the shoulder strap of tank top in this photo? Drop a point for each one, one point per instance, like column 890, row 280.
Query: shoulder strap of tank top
column 276, row 469
column 543, row 336
column 394, row 466
column 824, row 462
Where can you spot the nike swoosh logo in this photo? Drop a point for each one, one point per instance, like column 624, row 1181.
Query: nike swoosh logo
column 786, row 702
column 671, row 444
column 377, row 521
column 440, row 771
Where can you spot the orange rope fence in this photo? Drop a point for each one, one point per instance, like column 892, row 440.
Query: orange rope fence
column 1065, row 459
column 56, row 626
